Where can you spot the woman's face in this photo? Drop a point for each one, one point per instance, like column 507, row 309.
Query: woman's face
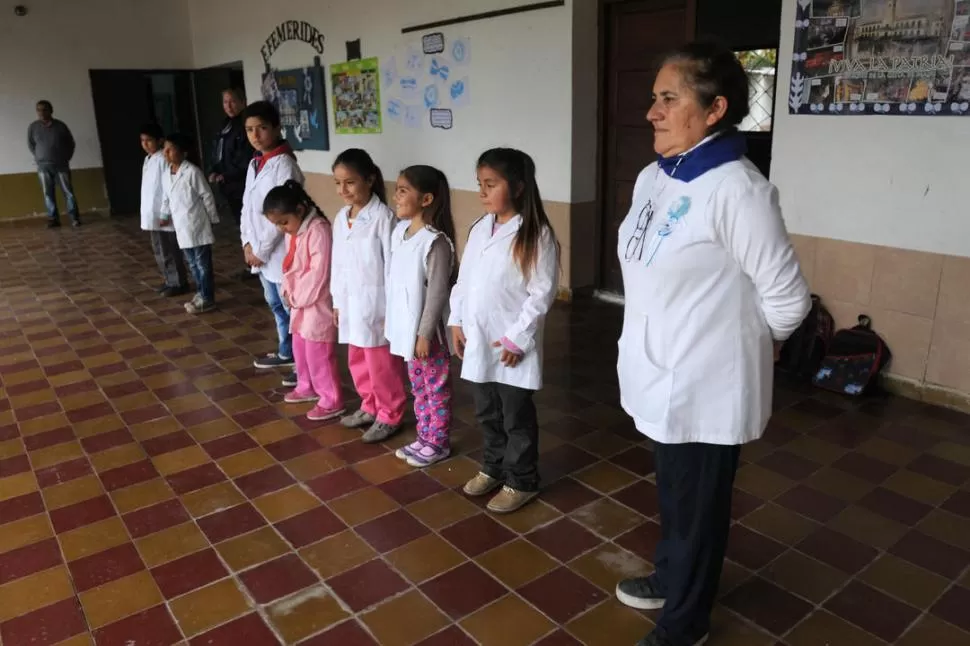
column 351, row 187
column 231, row 104
column 679, row 121
column 410, row 202
column 494, row 192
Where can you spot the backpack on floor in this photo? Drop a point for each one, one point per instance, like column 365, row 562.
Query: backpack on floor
column 803, row 352
column 855, row 358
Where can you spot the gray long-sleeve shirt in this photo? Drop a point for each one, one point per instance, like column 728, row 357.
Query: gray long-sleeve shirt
column 52, row 144
column 440, row 259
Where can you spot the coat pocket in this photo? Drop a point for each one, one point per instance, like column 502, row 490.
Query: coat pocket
column 645, row 387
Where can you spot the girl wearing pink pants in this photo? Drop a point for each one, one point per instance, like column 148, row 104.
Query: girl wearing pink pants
column 306, row 288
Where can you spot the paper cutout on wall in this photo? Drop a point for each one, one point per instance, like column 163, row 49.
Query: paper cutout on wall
column 431, row 96
column 439, row 69
column 356, row 97
column 408, row 88
column 299, row 96
column 433, row 43
column 395, row 110
column 414, row 60
column 412, row 116
column 459, row 91
column 441, row 118
column 389, row 73
column 461, row 51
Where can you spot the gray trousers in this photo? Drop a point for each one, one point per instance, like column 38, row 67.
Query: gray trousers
column 168, row 256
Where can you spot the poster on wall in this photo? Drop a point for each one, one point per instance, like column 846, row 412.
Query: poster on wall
column 299, row 95
column 893, row 57
column 356, row 97
column 426, row 82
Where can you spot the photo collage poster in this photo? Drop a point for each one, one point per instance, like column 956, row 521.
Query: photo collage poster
column 356, row 97
column 300, row 96
column 901, row 57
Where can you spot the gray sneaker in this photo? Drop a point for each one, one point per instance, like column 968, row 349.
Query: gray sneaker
column 357, row 419
column 641, row 593
column 379, row 432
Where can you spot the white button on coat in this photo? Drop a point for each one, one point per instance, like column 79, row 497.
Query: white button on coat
column 710, row 280
column 493, row 299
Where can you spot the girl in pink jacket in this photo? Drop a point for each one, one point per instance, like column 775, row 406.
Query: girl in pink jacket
column 306, row 289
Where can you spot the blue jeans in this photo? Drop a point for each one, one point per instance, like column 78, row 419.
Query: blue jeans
column 49, row 178
column 273, row 293
column 199, row 260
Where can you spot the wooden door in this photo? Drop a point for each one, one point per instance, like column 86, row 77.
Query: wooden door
column 636, row 35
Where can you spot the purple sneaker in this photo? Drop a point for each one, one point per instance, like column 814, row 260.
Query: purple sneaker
column 427, row 456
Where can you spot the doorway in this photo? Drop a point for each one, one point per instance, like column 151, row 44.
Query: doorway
column 635, row 35
column 184, row 101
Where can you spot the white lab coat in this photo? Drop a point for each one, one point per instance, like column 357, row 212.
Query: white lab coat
column 189, row 200
column 407, row 287
column 152, row 193
column 493, row 300
column 254, row 228
column 358, row 276
column 709, row 283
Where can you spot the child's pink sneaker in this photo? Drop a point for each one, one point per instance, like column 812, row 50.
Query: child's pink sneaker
column 296, row 397
column 321, row 414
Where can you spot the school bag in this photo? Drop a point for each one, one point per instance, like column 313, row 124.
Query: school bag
column 802, row 353
column 854, row 360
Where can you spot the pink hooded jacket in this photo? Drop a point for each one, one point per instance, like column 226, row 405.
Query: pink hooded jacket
column 306, row 284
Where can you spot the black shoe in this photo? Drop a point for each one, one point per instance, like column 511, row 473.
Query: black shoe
column 654, row 639
column 289, row 380
column 168, row 292
column 641, row 593
column 53, row 224
column 273, row 360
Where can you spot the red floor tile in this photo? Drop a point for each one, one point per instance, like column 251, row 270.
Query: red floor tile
column 751, row 549
column 155, row 518
column 568, row 495
column 872, row 610
column 838, row 550
column 562, row 595
column 293, row 447
column 195, row 478
column 27, row 560
column 154, row 627
column 13, row 466
column 767, row 605
column 263, row 482
column 349, row 633
column 63, row 472
column 189, row 573
column 82, row 513
column 226, row 524
column 87, row 413
column 940, row 469
column 129, row 475
column 229, row 445
column 411, row 488
column 367, row 585
column 811, row 503
column 564, row 539
column 932, row 554
column 336, row 484
column 19, row 507
column 952, row 607
column 451, row 636
column 893, row 506
column 91, row 571
column 391, row 531
column 249, row 630
column 463, row 590
column 105, row 441
column 167, row 443
column 46, row 626
column 310, row 527
column 278, row 578
column 477, row 535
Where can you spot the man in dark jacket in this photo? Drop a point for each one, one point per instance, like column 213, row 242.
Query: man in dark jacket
column 232, row 153
column 52, row 145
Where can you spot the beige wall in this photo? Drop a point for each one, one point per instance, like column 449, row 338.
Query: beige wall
column 576, row 262
column 917, row 301
column 23, row 198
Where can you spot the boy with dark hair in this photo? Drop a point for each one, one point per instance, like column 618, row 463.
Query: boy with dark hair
column 164, row 241
column 273, row 165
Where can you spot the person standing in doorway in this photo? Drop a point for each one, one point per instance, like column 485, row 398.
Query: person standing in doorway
column 231, row 158
column 51, row 143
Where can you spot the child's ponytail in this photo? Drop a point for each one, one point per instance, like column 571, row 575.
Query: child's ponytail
column 428, row 180
column 288, row 198
column 518, row 169
column 361, row 163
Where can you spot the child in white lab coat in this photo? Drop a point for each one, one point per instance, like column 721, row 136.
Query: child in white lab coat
column 189, row 205
column 361, row 250
column 164, row 243
column 419, row 281
column 273, row 165
column 507, row 283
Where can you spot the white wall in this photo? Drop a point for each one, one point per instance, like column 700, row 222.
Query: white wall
column 893, row 181
column 520, row 73
column 47, row 55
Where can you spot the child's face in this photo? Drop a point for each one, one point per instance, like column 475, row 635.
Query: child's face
column 173, row 155
column 149, row 144
column 494, row 192
column 287, row 222
column 262, row 136
column 351, row 187
column 410, row 202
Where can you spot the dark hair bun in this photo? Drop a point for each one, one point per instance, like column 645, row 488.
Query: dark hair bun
column 712, row 70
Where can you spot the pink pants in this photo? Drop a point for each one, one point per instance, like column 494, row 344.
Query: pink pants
column 379, row 379
column 431, row 385
column 317, row 372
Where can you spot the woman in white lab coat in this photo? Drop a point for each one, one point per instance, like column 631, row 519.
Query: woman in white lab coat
column 361, row 259
column 508, row 280
column 189, row 204
column 711, row 286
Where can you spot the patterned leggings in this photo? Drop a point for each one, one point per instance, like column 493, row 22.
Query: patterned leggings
column 431, row 384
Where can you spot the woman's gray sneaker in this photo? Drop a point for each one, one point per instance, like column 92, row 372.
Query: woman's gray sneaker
column 640, row 593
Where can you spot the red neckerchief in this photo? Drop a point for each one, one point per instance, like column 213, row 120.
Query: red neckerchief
column 260, row 159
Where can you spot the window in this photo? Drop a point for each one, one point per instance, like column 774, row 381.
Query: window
column 760, row 64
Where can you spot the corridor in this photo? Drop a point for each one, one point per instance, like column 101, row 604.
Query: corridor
column 155, row 490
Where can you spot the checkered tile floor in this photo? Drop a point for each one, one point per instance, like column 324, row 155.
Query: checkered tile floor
column 155, row 490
